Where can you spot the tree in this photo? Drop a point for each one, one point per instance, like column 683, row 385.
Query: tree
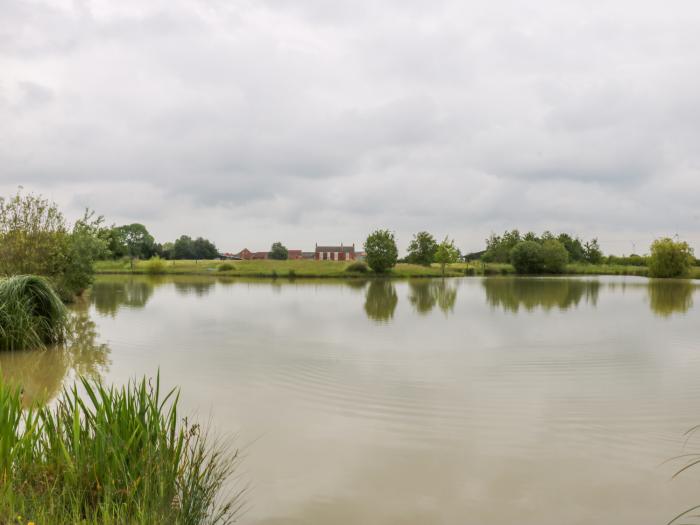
column 422, row 249
column 592, row 252
column 278, row 252
column 183, row 248
column 670, row 258
column 138, row 242
column 34, row 239
column 204, row 249
column 555, row 256
column 527, row 257
column 498, row 247
column 381, row 250
column 445, row 254
column 573, row 246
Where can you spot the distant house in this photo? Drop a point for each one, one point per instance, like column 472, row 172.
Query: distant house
column 335, row 253
column 259, row 255
column 230, row 256
column 294, row 254
column 245, row 254
column 308, row 255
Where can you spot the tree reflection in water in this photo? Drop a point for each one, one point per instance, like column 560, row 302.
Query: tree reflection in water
column 110, row 293
column 41, row 373
column 381, row 300
column 511, row 293
column 667, row 297
column 426, row 294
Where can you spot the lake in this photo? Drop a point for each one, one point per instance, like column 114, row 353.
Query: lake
column 488, row 401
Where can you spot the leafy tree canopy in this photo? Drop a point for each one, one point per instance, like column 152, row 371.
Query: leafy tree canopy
column 422, row 249
column 670, row 258
column 278, row 252
column 381, row 250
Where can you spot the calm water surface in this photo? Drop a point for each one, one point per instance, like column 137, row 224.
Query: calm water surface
column 485, row 401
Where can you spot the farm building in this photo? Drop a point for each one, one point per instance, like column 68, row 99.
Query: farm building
column 335, row 253
column 294, row 254
column 245, row 254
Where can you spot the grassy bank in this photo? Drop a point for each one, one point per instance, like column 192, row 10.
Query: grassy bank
column 106, row 456
column 265, row 268
column 332, row 269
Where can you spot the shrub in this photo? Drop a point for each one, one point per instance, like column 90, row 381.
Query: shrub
column 226, row 267
column 278, row 252
column 110, row 455
column 555, row 256
column 670, row 258
column 527, row 257
column 155, row 265
column 381, row 250
column 32, row 315
column 358, row 267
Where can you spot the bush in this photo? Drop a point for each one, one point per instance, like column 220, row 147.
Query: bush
column 358, row 267
column 32, row 315
column 155, row 265
column 110, row 455
column 381, row 250
column 555, row 256
column 226, row 267
column 528, row 257
column 670, row 258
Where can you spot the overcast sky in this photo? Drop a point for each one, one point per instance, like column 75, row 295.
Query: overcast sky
column 313, row 121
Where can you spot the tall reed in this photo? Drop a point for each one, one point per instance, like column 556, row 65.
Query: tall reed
column 31, row 313
column 110, row 455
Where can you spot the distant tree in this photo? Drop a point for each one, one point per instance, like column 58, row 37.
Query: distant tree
column 204, row 249
column 381, row 250
column 592, row 252
column 527, row 257
column 85, row 246
column 531, row 236
column 183, row 248
column 555, row 256
column 167, row 249
column 670, row 258
column 446, row 253
column 138, row 242
column 498, row 247
column 422, row 249
column 278, row 252
column 573, row 246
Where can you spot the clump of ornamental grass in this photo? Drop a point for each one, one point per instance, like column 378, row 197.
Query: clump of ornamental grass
column 32, row 315
column 155, row 266
column 108, row 455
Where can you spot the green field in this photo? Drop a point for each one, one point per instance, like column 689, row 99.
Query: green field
column 320, row 269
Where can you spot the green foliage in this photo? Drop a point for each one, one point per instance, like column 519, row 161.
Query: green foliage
column 445, row 254
column 592, row 252
column 381, row 250
column 135, row 241
column 498, row 247
column 31, row 313
column 527, row 257
column 278, row 252
column 156, row 265
column 110, row 455
column 187, row 248
column 555, row 256
column 357, row 267
column 670, row 258
column 34, row 240
column 421, row 249
column 225, row 267
column 573, row 247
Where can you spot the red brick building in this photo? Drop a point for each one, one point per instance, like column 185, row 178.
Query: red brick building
column 335, row 253
column 245, row 254
column 294, row 254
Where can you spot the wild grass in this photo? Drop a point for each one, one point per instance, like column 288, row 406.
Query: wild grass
column 110, row 455
column 155, row 266
column 32, row 315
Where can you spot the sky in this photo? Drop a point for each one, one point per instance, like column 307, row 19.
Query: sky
column 311, row 121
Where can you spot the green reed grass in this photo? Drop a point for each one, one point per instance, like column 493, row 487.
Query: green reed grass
column 110, row 455
column 31, row 313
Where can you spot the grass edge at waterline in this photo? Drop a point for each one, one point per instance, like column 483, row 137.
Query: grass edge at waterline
column 32, row 314
column 111, row 455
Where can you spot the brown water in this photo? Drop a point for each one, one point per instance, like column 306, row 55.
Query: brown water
column 480, row 401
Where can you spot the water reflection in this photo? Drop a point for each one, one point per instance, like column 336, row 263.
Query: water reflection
column 199, row 287
column 108, row 294
column 426, row 294
column 381, row 300
column 669, row 297
column 41, row 372
column 511, row 293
